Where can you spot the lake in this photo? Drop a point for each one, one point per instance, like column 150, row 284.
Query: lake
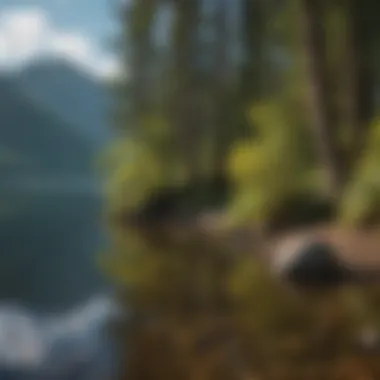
column 53, row 296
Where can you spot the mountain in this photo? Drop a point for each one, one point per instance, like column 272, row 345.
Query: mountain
column 76, row 97
column 37, row 140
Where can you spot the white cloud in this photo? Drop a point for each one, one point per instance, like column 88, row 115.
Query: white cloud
column 28, row 34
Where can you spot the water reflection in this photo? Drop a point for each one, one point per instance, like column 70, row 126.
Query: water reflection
column 49, row 241
column 73, row 345
column 54, row 303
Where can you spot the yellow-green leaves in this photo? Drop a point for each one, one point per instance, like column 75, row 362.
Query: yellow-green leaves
column 133, row 176
column 361, row 199
column 269, row 167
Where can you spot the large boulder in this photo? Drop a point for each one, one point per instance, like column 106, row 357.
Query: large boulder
column 309, row 263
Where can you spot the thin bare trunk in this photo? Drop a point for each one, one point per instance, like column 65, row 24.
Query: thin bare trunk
column 141, row 50
column 221, row 85
column 359, row 75
column 323, row 125
column 186, row 90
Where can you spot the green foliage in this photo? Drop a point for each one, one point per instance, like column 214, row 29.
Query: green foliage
column 361, row 200
column 132, row 178
column 270, row 167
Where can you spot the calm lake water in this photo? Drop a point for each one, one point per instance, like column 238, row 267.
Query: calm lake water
column 49, row 238
column 54, row 301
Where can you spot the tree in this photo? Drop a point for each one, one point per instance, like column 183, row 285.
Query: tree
column 323, row 123
column 217, row 115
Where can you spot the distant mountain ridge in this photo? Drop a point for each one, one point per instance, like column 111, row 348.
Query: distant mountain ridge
column 44, row 144
column 76, row 97
column 53, row 120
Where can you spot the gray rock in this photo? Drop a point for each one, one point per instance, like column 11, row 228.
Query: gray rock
column 310, row 264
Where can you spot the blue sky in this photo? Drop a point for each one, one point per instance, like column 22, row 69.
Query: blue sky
column 77, row 29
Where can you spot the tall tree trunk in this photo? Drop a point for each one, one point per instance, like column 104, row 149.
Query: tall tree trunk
column 141, row 52
column 252, row 78
column 186, row 97
column 323, row 123
column 221, row 85
column 253, row 14
column 360, row 105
